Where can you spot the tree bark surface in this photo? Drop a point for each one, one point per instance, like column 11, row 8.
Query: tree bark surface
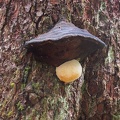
column 30, row 90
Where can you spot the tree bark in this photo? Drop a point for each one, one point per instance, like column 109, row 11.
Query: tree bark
column 30, row 90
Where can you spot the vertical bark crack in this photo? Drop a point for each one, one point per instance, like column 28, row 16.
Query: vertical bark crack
column 40, row 18
column 6, row 19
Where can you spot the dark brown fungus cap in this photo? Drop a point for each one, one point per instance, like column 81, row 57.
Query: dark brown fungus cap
column 62, row 43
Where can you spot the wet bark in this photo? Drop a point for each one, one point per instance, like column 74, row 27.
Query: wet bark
column 30, row 90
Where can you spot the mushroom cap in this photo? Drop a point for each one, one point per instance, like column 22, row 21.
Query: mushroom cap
column 63, row 42
column 69, row 71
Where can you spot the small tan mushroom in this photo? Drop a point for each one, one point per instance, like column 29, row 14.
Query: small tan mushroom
column 69, row 71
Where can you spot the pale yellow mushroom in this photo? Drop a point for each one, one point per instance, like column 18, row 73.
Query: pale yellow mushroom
column 69, row 71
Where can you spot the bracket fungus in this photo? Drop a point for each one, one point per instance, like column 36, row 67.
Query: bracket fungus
column 62, row 43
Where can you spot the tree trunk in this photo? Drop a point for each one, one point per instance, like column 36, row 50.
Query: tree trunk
column 30, row 90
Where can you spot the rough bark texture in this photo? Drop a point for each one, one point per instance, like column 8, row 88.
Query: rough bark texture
column 30, row 90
